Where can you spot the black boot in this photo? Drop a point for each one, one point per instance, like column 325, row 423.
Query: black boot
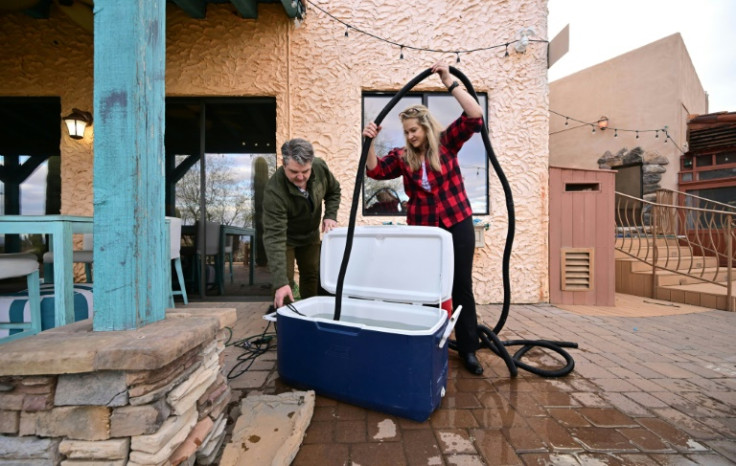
column 471, row 363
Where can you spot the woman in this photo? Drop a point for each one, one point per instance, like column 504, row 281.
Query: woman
column 437, row 197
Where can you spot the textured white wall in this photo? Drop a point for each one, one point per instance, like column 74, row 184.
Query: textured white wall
column 317, row 76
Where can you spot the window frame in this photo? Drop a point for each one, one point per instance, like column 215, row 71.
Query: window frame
column 425, row 98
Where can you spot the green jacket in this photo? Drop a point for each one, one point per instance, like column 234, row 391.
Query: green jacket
column 288, row 218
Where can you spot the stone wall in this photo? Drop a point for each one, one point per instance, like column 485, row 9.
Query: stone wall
column 653, row 166
column 173, row 413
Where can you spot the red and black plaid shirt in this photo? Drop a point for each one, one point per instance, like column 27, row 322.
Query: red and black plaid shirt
column 447, row 202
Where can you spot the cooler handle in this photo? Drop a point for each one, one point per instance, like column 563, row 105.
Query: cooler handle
column 450, row 326
column 270, row 317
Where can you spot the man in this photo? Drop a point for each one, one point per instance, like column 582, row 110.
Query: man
column 292, row 213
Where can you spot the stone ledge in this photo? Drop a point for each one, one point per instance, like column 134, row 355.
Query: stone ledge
column 76, row 348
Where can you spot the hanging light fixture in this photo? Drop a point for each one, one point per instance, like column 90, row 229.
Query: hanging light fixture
column 76, row 123
column 603, row 123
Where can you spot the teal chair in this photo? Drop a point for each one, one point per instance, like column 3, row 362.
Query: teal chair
column 175, row 242
column 19, row 265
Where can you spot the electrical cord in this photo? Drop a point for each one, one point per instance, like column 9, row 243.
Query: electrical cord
column 253, row 347
column 488, row 337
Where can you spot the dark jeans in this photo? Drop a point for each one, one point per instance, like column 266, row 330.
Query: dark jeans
column 466, row 328
column 307, row 259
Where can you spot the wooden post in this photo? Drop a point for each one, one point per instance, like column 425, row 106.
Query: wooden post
column 130, row 248
column 729, row 255
column 654, row 249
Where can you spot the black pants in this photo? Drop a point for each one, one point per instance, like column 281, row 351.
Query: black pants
column 466, row 328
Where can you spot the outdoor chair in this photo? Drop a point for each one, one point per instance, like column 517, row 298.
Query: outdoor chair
column 211, row 257
column 14, row 265
column 229, row 255
column 175, row 244
column 83, row 256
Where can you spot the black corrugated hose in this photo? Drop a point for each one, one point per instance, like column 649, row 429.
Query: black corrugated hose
column 488, row 337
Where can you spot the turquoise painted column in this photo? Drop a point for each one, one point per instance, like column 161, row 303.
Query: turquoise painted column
column 130, row 248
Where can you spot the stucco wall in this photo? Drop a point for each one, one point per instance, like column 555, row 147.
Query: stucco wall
column 648, row 88
column 317, row 75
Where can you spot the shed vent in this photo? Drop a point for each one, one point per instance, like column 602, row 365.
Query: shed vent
column 577, row 269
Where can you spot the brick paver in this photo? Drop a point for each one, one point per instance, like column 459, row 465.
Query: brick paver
column 645, row 390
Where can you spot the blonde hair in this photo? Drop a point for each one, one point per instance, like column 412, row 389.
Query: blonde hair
column 432, row 129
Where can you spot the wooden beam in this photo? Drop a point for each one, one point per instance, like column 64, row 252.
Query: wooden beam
column 194, row 8
column 294, row 8
column 247, row 8
column 131, row 247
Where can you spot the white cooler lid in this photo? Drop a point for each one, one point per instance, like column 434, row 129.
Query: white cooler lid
column 391, row 262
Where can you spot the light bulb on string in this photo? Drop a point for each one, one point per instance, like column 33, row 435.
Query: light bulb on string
column 567, row 119
column 637, row 135
column 401, row 53
column 615, row 132
column 593, row 128
column 458, row 57
column 507, row 54
column 347, row 29
column 656, row 134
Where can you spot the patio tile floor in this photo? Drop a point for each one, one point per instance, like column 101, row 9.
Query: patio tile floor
column 656, row 390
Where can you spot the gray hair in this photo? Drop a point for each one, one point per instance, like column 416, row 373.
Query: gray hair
column 299, row 150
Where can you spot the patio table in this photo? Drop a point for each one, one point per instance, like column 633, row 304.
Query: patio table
column 61, row 228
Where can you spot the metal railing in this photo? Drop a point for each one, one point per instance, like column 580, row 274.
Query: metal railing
column 684, row 234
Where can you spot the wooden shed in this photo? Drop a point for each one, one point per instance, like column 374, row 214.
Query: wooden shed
column 581, row 236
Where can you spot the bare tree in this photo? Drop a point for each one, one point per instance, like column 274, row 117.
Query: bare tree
column 227, row 199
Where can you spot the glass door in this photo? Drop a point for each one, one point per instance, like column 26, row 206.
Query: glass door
column 219, row 154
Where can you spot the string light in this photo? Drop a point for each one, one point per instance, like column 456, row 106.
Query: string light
column 422, row 49
column 664, row 130
column 401, row 57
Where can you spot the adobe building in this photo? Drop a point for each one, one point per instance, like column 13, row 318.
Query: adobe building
column 629, row 113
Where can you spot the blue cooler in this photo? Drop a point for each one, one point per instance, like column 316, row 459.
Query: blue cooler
column 388, row 351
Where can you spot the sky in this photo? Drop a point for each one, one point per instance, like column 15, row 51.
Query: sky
column 600, row 31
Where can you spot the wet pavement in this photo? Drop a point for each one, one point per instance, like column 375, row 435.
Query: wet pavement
column 645, row 390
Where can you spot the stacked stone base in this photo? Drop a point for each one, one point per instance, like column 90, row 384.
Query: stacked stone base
column 173, row 413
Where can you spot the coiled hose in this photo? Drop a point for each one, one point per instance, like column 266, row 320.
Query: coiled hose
column 488, row 337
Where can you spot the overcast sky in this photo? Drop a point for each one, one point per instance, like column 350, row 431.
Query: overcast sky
column 603, row 30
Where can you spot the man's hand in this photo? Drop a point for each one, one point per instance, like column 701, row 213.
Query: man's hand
column 281, row 294
column 328, row 225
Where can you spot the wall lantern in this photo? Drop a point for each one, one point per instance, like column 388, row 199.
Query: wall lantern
column 76, row 122
column 603, row 123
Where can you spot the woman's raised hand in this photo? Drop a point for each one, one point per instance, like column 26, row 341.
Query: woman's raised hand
column 443, row 70
column 371, row 130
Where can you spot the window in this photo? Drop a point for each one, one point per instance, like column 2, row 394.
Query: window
column 238, row 136
column 387, row 197
column 725, row 195
column 704, row 161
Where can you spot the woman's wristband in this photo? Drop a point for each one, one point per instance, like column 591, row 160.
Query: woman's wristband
column 452, row 86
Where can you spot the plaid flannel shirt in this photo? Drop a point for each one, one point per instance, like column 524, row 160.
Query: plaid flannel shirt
column 447, row 202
